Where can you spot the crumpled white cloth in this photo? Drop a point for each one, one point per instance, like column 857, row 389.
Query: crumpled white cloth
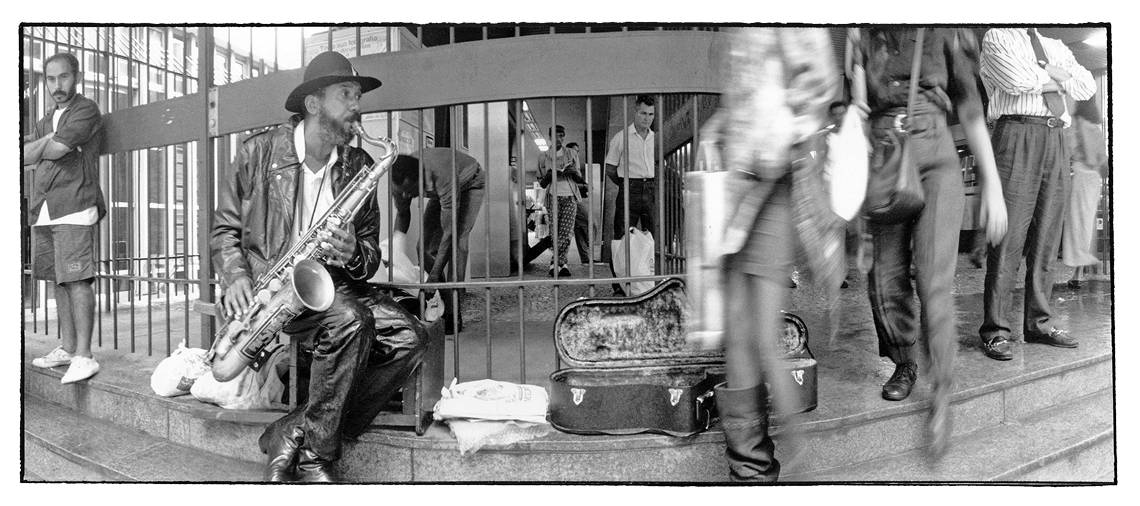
column 492, row 412
column 474, row 434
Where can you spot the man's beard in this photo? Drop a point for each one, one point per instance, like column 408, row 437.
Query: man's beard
column 63, row 96
column 335, row 131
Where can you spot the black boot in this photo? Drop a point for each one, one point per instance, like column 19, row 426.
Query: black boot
column 313, row 468
column 281, row 446
column 744, row 418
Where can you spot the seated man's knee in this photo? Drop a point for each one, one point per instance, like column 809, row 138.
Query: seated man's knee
column 348, row 313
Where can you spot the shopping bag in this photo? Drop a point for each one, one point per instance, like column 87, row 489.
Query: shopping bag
column 640, row 259
column 249, row 390
column 175, row 374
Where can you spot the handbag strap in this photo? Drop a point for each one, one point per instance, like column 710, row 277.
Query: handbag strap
column 915, row 72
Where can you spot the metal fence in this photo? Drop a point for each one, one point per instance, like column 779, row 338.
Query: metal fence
column 510, row 94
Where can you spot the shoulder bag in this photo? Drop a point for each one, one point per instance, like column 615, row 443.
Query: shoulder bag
column 894, row 189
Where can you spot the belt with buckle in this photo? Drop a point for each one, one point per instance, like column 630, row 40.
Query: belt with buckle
column 1048, row 121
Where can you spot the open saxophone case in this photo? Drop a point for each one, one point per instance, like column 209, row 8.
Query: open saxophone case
column 631, row 368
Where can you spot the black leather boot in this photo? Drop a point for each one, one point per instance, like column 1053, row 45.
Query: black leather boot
column 313, row 468
column 281, row 446
column 744, row 418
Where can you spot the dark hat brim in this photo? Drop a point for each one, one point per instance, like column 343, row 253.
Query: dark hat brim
column 296, row 101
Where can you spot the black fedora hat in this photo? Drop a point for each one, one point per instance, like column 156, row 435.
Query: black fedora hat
column 329, row 67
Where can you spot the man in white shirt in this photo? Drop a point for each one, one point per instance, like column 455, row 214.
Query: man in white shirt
column 1025, row 75
column 65, row 204
column 634, row 166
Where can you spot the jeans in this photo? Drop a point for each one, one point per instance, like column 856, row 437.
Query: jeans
column 930, row 241
column 351, row 373
column 1033, row 166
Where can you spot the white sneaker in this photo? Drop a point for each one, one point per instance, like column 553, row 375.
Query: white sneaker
column 80, row 369
column 55, row 358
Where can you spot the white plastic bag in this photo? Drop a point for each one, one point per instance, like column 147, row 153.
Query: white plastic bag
column 249, row 390
column 238, row 393
column 640, row 258
column 175, row 374
column 846, row 166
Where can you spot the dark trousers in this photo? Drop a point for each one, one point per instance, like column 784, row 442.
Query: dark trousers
column 931, row 242
column 438, row 243
column 356, row 354
column 642, row 206
column 1033, row 165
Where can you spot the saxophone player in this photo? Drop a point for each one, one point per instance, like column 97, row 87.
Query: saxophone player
column 364, row 345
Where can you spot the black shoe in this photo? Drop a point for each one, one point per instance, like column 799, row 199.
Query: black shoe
column 312, row 468
column 844, row 284
column 282, row 451
column 902, row 381
column 564, row 272
column 998, row 348
column 1055, row 337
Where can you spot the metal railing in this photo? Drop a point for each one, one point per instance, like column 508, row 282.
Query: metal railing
column 564, row 79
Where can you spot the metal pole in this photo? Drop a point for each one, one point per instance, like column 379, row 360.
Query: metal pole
column 206, row 178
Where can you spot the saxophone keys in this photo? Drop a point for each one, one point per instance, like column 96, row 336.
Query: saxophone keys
column 264, row 295
column 274, row 285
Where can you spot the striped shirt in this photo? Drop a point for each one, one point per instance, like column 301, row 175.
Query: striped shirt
column 1013, row 79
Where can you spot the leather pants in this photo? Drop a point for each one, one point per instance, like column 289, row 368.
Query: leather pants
column 351, row 372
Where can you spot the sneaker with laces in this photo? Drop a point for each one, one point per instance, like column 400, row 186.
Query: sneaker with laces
column 55, row 358
column 80, row 369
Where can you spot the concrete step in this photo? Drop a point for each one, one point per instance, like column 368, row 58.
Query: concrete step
column 1070, row 442
column 61, row 444
column 819, row 441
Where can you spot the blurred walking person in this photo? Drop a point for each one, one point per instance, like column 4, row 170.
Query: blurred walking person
column 779, row 84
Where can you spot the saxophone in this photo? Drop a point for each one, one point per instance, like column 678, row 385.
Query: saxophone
column 298, row 280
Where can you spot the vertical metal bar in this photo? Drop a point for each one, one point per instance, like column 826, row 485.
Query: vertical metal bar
column 451, row 40
column 523, row 240
column 205, row 180
column 422, row 199
column 659, row 174
column 626, row 220
column 135, row 286
column 551, row 159
column 455, row 201
column 590, row 189
column 388, row 213
column 388, row 46
column 168, row 240
column 186, row 229
column 695, row 147
column 487, row 221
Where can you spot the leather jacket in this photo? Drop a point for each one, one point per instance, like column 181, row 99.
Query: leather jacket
column 253, row 222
